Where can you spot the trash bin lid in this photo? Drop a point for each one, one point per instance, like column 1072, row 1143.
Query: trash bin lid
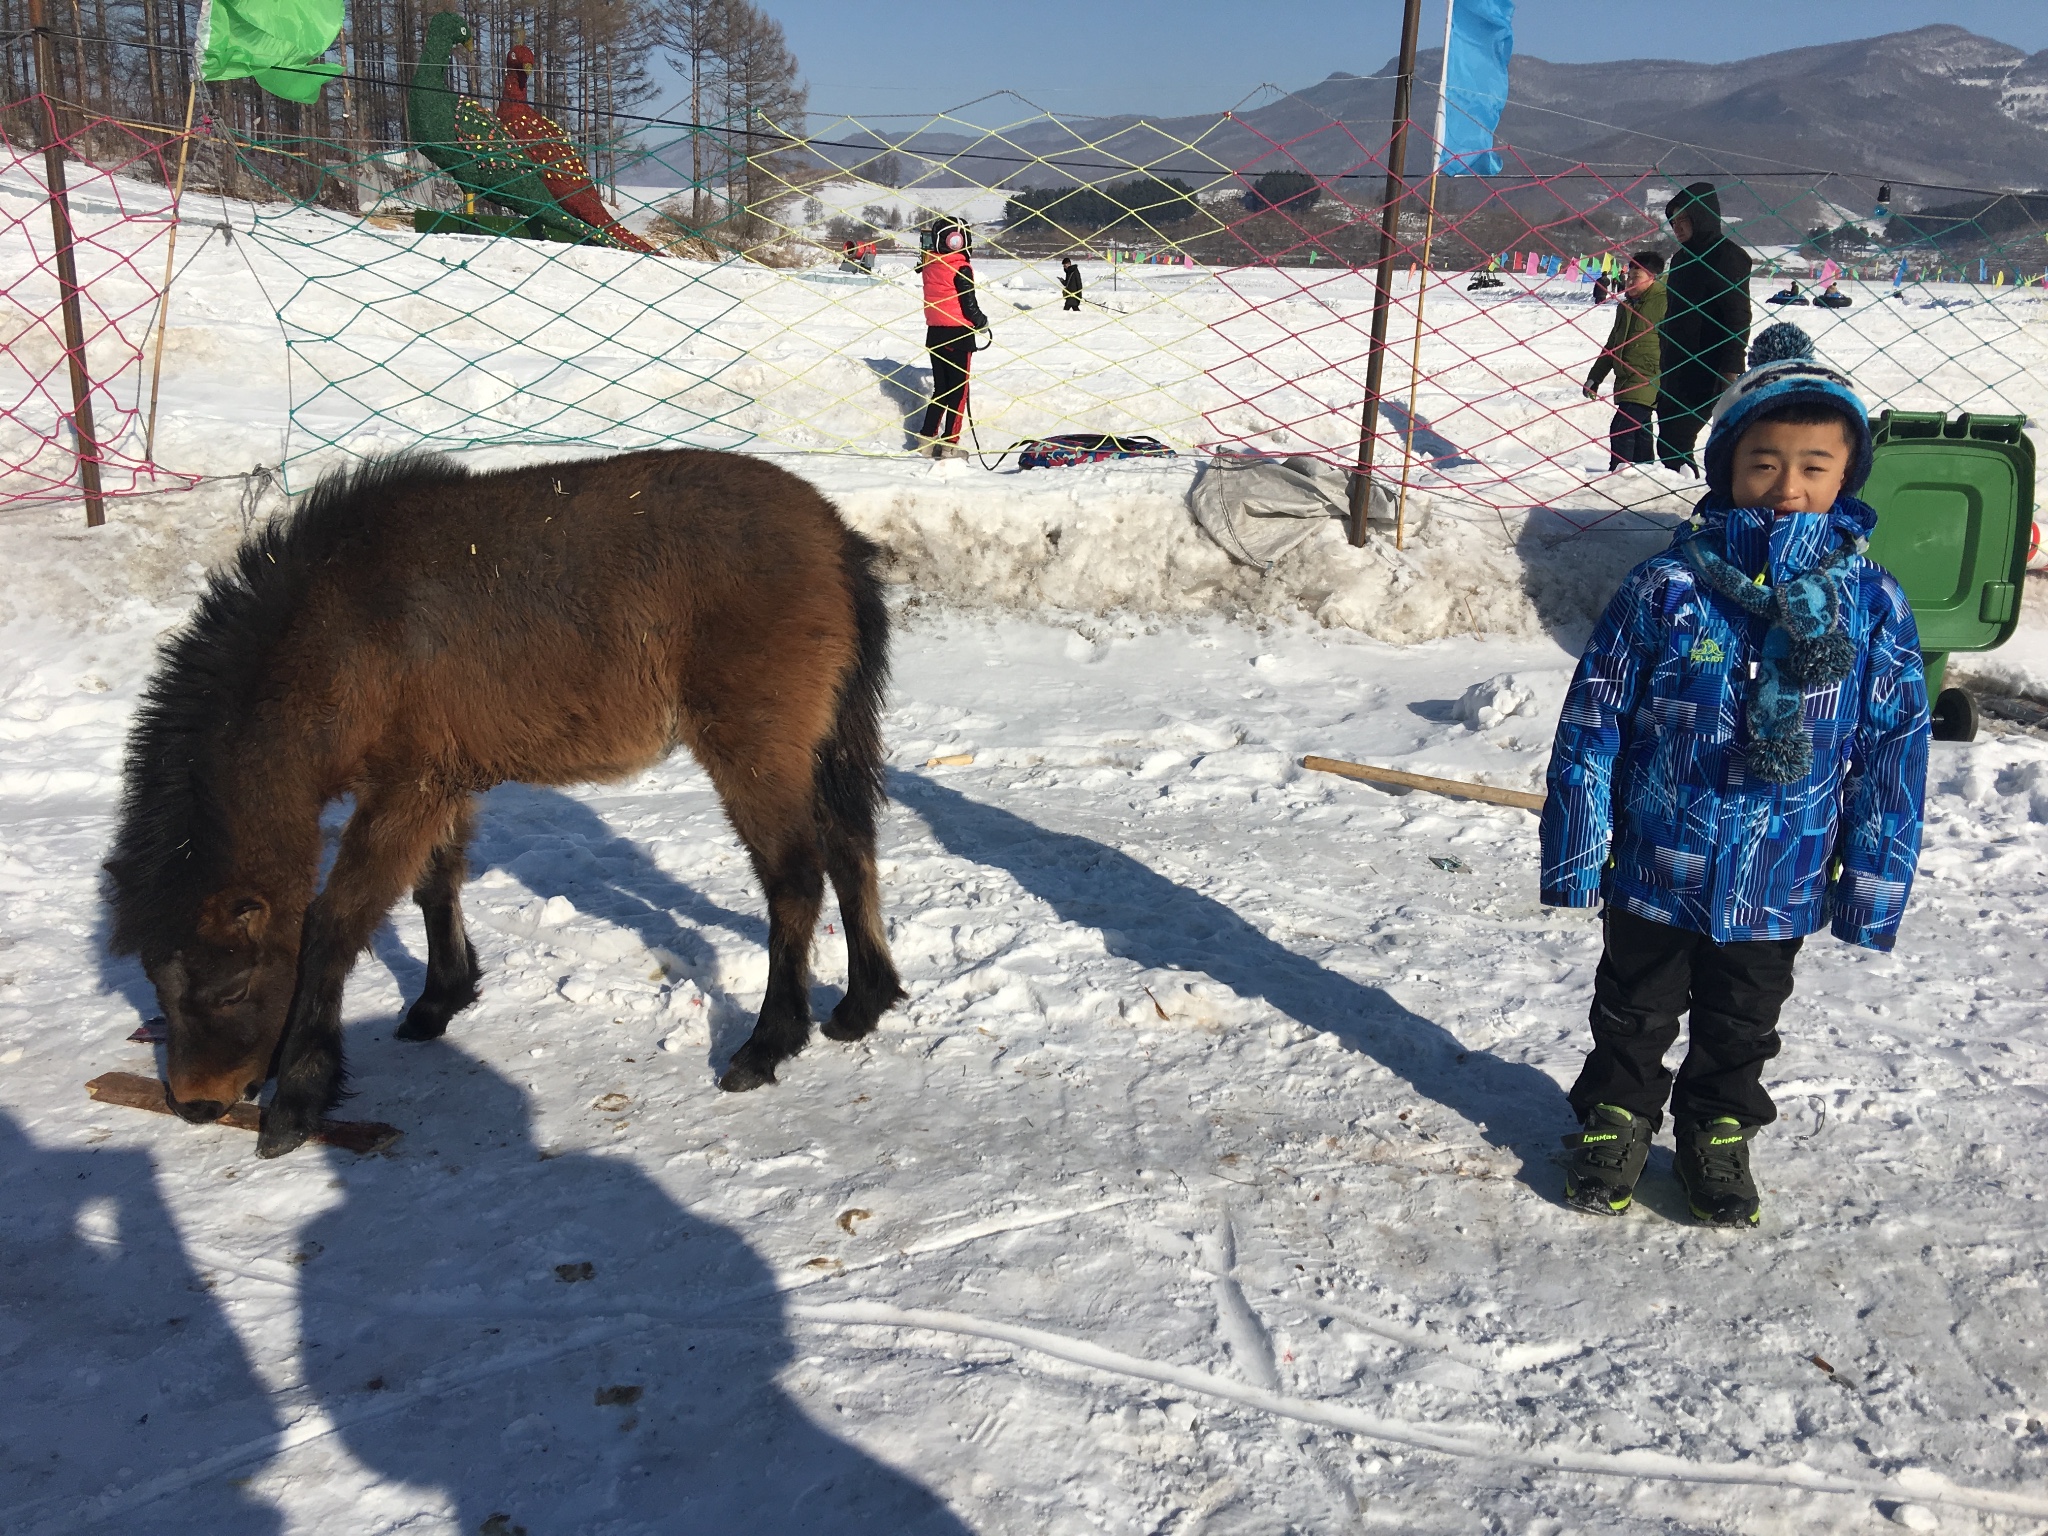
column 1955, row 512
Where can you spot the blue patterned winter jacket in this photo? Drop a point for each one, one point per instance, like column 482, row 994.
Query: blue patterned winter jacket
column 1649, row 806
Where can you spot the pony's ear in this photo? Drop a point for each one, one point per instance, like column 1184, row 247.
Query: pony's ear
column 250, row 916
column 232, row 920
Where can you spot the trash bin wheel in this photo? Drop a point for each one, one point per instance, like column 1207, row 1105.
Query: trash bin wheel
column 1955, row 716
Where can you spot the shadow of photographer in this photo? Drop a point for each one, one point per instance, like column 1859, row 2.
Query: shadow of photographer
column 551, row 1343
column 129, row 1395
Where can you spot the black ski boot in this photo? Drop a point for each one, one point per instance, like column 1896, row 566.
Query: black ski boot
column 1608, row 1154
column 1713, row 1165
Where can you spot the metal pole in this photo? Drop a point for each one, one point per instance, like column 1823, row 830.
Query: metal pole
column 1443, row 83
column 1436, row 162
column 163, row 313
column 1383, row 294
column 67, row 275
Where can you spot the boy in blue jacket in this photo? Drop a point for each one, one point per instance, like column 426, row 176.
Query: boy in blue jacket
column 1741, row 760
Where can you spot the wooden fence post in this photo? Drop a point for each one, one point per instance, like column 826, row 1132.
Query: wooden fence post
column 67, row 274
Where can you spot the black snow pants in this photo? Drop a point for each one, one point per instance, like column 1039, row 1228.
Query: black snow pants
column 1685, row 401
column 1651, row 973
column 1628, row 435
column 952, row 353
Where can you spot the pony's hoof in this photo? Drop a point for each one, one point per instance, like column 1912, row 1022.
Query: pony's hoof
column 422, row 1023
column 279, row 1136
column 855, row 1015
column 427, row 1018
column 740, row 1077
column 846, row 1028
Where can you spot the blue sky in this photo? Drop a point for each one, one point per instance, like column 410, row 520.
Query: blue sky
column 871, row 57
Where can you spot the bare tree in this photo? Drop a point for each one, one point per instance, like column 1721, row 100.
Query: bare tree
column 693, row 37
column 764, row 103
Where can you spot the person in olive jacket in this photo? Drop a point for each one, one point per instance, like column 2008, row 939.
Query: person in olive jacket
column 1705, row 333
column 1634, row 356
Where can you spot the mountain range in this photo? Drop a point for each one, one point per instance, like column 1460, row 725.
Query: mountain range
column 1938, row 112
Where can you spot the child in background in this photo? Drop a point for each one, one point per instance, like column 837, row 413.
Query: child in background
column 1633, row 356
column 1740, row 761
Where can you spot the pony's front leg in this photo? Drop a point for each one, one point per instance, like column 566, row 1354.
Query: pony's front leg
column 383, row 848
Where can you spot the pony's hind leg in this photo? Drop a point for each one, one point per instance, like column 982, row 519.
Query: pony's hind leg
column 872, row 985
column 452, row 971
column 794, row 878
column 766, row 785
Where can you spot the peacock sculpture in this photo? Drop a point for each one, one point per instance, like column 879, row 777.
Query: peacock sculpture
column 463, row 138
column 562, row 170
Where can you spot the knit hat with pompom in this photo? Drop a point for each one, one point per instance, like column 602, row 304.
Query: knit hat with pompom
column 1783, row 371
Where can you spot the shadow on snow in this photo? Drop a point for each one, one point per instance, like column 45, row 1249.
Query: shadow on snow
column 1157, row 924
column 123, row 1375
column 550, row 1338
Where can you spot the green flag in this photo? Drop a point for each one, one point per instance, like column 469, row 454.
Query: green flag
column 274, row 41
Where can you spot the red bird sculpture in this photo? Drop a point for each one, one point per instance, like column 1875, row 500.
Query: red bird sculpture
column 561, row 169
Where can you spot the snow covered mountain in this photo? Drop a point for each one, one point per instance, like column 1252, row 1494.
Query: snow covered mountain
column 1938, row 105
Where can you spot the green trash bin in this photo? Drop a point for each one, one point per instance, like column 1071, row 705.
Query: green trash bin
column 1955, row 514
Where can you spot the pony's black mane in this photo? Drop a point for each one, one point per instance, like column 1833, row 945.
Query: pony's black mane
column 172, row 848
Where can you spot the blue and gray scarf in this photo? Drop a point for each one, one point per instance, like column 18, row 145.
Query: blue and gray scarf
column 1806, row 646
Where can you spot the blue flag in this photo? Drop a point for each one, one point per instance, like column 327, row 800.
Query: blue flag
column 1475, row 86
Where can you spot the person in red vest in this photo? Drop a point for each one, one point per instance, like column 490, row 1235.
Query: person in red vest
column 952, row 320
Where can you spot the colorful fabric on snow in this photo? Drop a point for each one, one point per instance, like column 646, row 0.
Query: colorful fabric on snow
column 1654, row 805
column 1072, row 448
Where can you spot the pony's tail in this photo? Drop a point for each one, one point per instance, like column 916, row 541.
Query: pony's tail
column 850, row 779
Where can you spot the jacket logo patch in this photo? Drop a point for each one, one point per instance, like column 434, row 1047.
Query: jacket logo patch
column 1706, row 648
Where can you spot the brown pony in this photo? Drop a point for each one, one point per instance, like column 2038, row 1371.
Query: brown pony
column 416, row 633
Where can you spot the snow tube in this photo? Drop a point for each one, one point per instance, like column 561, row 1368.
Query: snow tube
column 1833, row 301
column 1787, row 296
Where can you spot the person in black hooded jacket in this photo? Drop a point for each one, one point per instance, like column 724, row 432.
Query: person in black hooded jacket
column 1706, row 324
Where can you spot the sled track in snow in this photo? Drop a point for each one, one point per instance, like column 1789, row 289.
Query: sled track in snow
column 1914, row 1486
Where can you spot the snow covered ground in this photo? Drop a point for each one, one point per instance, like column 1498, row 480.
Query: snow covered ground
column 1207, row 1182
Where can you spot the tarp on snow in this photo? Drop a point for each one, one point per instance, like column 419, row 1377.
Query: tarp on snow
column 1257, row 509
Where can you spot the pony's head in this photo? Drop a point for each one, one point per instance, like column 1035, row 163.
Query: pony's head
column 208, row 878
column 225, row 991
